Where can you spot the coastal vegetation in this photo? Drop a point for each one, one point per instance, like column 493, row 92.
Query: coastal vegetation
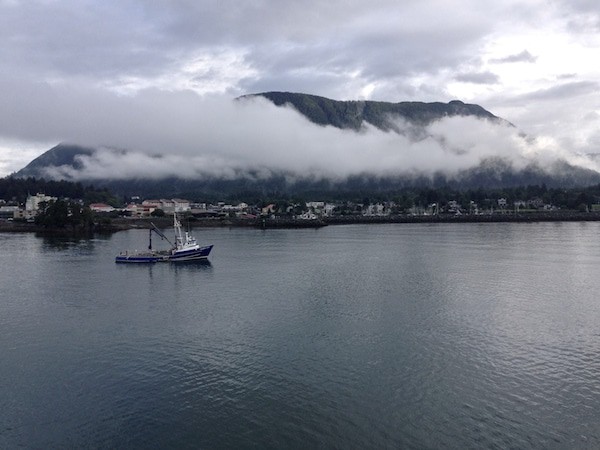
column 65, row 215
column 17, row 189
column 405, row 199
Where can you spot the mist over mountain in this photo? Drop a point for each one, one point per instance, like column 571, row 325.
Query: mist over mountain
column 288, row 143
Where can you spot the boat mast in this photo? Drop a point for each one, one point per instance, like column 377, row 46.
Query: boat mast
column 178, row 236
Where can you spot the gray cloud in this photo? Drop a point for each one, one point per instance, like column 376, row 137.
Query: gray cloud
column 524, row 56
column 335, row 48
column 478, row 78
column 111, row 42
column 583, row 15
column 566, row 76
column 561, row 91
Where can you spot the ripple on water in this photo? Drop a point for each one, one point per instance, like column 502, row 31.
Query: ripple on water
column 470, row 336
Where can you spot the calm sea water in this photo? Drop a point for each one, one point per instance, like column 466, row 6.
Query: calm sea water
column 378, row 336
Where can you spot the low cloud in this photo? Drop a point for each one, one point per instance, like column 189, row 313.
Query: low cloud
column 561, row 91
column 224, row 138
column 524, row 56
column 478, row 78
column 159, row 133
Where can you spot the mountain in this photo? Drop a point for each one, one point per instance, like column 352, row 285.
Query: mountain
column 412, row 120
column 382, row 115
column 61, row 155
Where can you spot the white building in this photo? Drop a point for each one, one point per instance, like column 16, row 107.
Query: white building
column 101, row 207
column 167, row 205
column 328, row 209
column 315, row 206
column 181, row 205
column 33, row 201
column 375, row 210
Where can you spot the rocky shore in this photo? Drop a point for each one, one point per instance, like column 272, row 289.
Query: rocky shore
column 542, row 216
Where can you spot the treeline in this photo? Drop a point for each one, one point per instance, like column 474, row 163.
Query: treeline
column 409, row 197
column 573, row 198
column 17, row 189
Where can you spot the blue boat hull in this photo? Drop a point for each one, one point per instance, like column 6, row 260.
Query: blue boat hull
column 190, row 255
column 138, row 259
column 151, row 258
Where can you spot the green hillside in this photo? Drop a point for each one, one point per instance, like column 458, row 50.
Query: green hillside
column 383, row 115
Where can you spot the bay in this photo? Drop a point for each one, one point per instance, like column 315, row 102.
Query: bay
column 354, row 336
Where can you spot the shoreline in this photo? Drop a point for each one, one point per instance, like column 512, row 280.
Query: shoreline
column 121, row 224
column 554, row 216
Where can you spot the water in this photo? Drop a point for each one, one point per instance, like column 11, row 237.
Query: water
column 376, row 336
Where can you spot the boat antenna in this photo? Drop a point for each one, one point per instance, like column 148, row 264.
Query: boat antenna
column 160, row 233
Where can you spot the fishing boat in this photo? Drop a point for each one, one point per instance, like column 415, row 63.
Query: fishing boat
column 185, row 248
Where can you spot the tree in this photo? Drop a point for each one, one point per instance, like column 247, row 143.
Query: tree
column 61, row 214
column 53, row 214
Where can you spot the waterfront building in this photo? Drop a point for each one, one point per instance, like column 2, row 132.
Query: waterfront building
column 101, row 207
column 33, row 201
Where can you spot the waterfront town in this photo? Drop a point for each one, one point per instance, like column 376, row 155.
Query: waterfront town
column 294, row 212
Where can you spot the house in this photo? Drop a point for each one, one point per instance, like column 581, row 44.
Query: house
column 198, row 206
column 374, row 210
column 9, row 212
column 181, row 205
column 134, row 209
column 316, row 207
column 536, row 203
column 518, row 204
column 101, row 207
column 237, row 208
column 307, row 216
column 473, row 207
column 145, row 209
column 328, row 209
column 453, row 206
column 167, row 205
column 156, row 204
column 269, row 209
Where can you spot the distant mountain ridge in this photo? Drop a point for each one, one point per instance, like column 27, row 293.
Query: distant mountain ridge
column 60, row 155
column 353, row 114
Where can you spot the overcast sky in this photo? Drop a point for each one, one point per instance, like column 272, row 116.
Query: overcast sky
column 143, row 74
